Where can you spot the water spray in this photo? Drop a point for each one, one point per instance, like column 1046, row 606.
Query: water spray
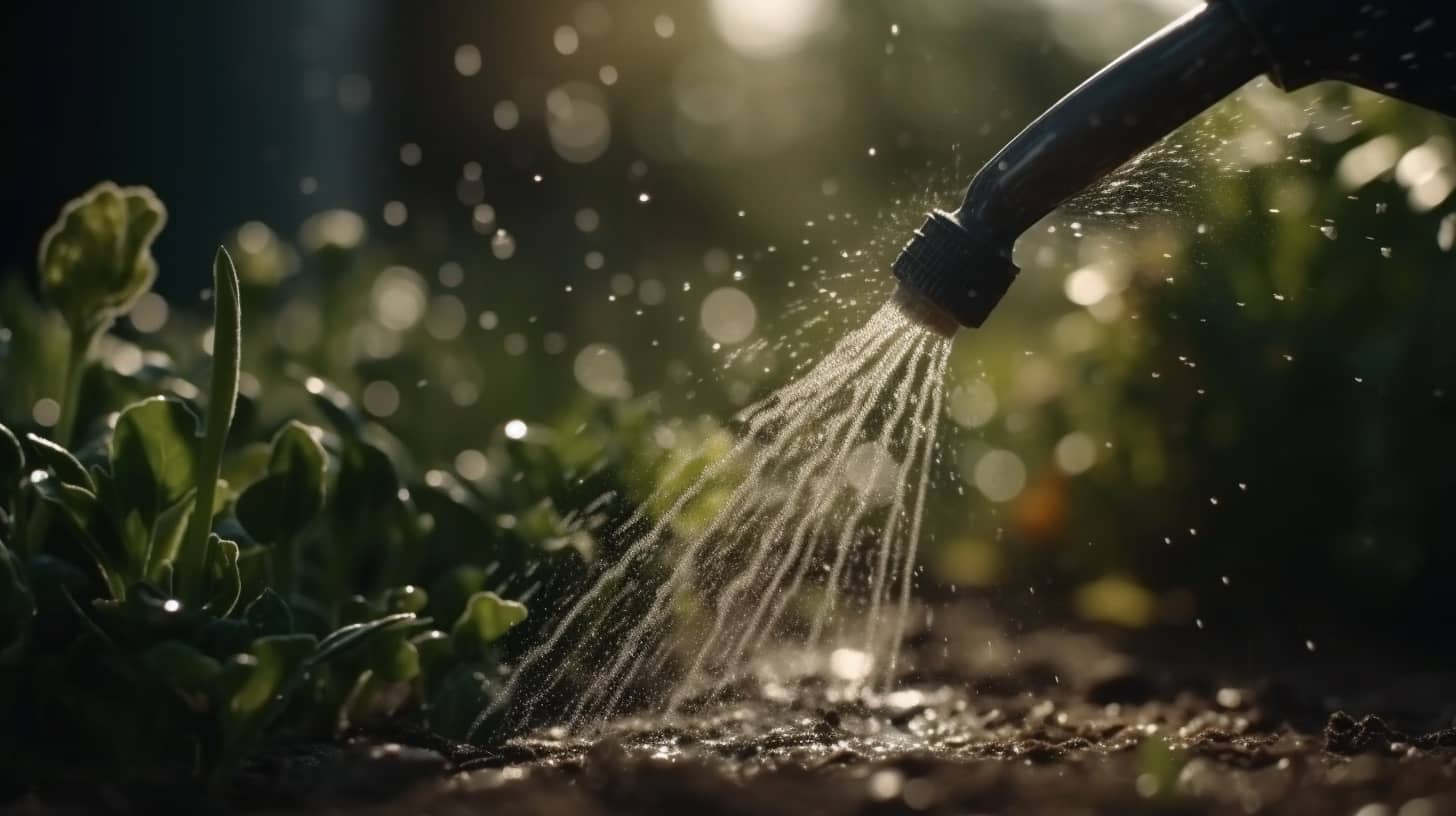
column 958, row 265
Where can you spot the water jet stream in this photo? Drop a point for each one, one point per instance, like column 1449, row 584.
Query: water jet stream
column 804, row 493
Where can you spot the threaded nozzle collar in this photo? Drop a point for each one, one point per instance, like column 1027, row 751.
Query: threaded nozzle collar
column 963, row 273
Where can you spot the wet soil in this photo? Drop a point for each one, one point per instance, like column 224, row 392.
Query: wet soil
column 1050, row 721
column 1054, row 720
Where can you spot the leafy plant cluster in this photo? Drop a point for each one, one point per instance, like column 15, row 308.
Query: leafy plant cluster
column 171, row 594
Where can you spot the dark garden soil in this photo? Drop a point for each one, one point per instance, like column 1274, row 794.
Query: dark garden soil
column 1049, row 721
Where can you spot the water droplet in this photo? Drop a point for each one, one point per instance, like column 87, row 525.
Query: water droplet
column 566, row 40
column 46, row 412
column 467, row 60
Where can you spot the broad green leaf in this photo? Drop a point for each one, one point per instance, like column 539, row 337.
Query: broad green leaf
column 367, row 480
column 229, row 636
column 96, row 260
column 348, row 638
column 247, row 464
column 433, row 647
column 398, row 661
column 165, row 537
column 487, row 617
column 224, row 584
column 389, row 657
column 451, row 592
column 121, row 528
column 284, row 501
column 181, row 666
column 456, row 705
column 227, row 355
column 12, row 466
column 77, row 510
column 154, row 456
column 408, row 598
column 359, row 609
column 50, row 456
column 335, row 406
column 281, row 663
column 17, row 607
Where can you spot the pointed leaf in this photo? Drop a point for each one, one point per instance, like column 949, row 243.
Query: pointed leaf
column 47, row 455
column 353, row 636
column 12, row 465
column 227, row 351
column 79, row 512
column 269, row 614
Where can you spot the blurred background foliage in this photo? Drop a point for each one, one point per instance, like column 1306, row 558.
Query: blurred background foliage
column 1218, row 398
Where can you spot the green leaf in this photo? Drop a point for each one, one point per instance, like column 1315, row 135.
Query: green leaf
column 227, row 356
column 224, row 583
column 12, row 466
column 154, row 456
column 247, row 464
column 367, row 482
column 348, row 638
column 284, row 501
column 395, row 659
column 433, row 647
column 335, row 405
column 269, row 614
column 408, row 598
column 163, row 540
column 78, row 511
column 451, row 592
column 181, row 666
column 17, row 607
column 487, row 617
column 96, row 260
column 282, row 662
column 462, row 694
column 47, row 455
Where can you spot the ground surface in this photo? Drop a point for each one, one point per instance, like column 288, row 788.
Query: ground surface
column 1051, row 721
column 1048, row 722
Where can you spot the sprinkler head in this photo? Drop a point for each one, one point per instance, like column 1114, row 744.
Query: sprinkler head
column 957, row 271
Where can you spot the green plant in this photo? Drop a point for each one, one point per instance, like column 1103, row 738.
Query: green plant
column 172, row 592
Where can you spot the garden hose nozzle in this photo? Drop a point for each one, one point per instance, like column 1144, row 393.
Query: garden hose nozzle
column 959, row 263
column 951, row 275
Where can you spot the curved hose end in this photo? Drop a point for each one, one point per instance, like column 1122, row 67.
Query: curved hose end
column 956, row 272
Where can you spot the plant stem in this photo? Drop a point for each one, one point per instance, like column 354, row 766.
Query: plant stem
column 227, row 347
column 78, row 349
